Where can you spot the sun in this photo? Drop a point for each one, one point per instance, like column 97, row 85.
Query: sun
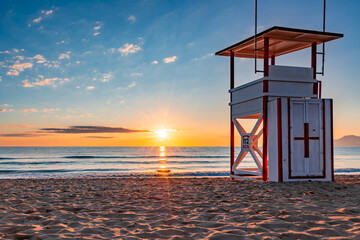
column 162, row 133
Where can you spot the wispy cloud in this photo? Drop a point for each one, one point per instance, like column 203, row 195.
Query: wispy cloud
column 50, row 110
column 136, row 74
column 6, row 105
column 37, row 20
column 133, row 84
column 6, row 108
column 91, row 129
column 97, row 30
column 29, row 110
column 47, row 12
column 132, row 18
column 204, row 57
column 128, row 48
column 21, row 135
column 18, row 67
column 26, row 83
column 100, row 137
column 44, row 13
column 170, row 59
column 39, row 58
column 64, row 55
column 154, row 62
column 106, row 77
column 41, row 81
column 90, row 88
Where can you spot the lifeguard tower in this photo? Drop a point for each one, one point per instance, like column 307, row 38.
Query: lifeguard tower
column 295, row 123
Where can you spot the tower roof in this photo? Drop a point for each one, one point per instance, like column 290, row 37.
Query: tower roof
column 282, row 40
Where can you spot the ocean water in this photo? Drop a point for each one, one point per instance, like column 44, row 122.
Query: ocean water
column 44, row 162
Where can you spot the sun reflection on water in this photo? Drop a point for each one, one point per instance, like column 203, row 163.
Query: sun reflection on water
column 163, row 170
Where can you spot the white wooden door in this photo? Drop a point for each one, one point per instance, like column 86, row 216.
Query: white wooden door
column 306, row 138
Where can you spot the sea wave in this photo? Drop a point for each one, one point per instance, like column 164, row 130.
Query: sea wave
column 347, row 170
column 148, row 162
column 147, row 156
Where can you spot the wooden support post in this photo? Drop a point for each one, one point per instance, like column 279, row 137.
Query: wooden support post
column 313, row 59
column 272, row 60
column 313, row 66
column 265, row 121
column 266, row 56
column 265, row 136
column 232, row 135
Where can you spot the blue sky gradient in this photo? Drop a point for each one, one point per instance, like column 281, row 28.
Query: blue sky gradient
column 146, row 65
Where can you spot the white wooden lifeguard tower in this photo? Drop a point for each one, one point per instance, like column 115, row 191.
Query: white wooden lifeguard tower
column 295, row 123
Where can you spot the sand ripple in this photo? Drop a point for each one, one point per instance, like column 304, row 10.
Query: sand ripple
column 178, row 208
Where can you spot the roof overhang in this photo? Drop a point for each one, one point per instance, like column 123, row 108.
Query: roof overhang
column 282, row 40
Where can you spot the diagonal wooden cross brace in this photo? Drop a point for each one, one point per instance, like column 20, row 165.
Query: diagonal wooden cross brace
column 253, row 148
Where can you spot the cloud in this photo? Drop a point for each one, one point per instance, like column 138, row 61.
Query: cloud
column 26, row 83
column 132, row 18
column 170, row 59
column 64, row 55
column 133, row 84
column 90, row 88
column 106, row 77
column 20, row 135
column 136, row 74
column 204, row 57
column 29, row 110
column 90, row 129
column 47, row 12
column 50, row 110
column 97, row 29
column 97, row 137
column 39, row 58
column 6, row 105
column 41, row 81
column 19, row 57
column 12, row 72
column 37, row 20
column 154, row 62
column 129, row 48
column 18, row 67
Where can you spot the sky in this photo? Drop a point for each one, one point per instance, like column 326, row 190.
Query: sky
column 114, row 73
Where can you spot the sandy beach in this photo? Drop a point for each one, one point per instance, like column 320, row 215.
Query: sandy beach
column 178, row 208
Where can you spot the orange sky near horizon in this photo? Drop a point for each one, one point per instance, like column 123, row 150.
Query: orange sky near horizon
column 215, row 136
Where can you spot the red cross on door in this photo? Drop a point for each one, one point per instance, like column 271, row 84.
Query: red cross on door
column 306, row 143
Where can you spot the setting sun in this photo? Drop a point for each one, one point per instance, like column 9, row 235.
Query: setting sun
column 162, row 133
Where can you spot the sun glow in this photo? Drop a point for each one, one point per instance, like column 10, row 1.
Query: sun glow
column 162, row 133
